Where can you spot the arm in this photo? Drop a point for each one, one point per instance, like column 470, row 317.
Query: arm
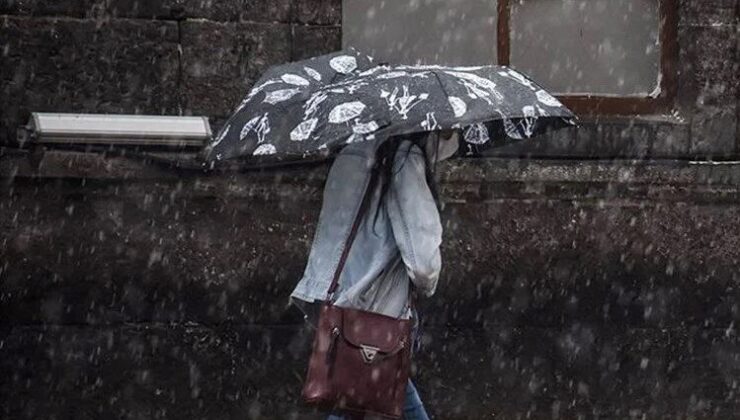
column 415, row 220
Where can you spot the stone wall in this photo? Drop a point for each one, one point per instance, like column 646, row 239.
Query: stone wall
column 570, row 289
column 200, row 57
column 155, row 57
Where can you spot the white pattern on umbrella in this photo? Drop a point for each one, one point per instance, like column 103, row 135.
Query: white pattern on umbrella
column 391, row 75
column 355, row 137
column 365, row 128
column 259, row 125
column 313, row 73
column 547, row 99
column 349, row 86
column 542, row 111
column 345, row 112
column 529, row 120
column 280, row 95
column 362, row 131
column 512, row 74
column 476, row 134
column 294, row 79
column 511, row 129
column 403, row 103
column 312, row 104
column 343, row 64
column 249, row 127
column 459, row 107
column 303, row 130
column 430, row 122
column 353, row 87
column 222, row 136
column 371, row 71
column 255, row 90
column 265, row 149
column 478, row 87
column 399, row 73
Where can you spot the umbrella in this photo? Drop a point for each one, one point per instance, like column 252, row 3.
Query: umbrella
column 316, row 106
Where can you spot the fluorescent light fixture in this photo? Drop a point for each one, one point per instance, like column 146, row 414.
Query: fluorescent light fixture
column 105, row 129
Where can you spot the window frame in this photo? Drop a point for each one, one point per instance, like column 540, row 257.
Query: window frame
column 611, row 105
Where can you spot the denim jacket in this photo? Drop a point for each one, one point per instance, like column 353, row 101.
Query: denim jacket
column 401, row 245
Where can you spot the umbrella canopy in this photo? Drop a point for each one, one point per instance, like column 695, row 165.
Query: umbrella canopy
column 318, row 105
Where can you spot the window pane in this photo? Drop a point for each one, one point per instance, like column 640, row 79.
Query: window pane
column 608, row 47
column 453, row 32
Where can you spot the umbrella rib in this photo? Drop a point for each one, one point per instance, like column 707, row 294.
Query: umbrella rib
column 441, row 85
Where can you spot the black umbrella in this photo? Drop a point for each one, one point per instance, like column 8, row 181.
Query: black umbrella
column 318, row 105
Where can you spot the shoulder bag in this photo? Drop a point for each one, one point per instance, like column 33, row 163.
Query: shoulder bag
column 360, row 360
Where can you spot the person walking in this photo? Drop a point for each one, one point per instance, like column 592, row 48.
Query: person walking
column 395, row 253
column 358, row 296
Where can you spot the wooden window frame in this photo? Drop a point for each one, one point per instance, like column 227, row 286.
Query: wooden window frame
column 610, row 105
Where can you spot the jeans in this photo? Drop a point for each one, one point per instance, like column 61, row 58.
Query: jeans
column 413, row 408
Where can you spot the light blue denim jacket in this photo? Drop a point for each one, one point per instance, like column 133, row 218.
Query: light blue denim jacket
column 402, row 245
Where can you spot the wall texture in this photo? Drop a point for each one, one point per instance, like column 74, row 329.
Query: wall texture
column 132, row 290
column 156, row 57
column 200, row 57
column 572, row 288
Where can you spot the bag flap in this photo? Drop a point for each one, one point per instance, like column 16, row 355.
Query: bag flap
column 361, row 328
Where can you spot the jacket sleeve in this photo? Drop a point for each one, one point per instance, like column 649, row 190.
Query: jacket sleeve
column 414, row 219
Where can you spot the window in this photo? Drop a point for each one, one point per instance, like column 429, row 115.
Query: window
column 598, row 56
column 452, row 32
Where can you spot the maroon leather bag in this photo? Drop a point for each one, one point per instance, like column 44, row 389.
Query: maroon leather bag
column 360, row 360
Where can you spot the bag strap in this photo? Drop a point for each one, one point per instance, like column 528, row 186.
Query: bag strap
column 353, row 232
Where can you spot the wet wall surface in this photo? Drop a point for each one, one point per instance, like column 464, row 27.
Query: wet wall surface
column 197, row 57
column 165, row 57
column 569, row 289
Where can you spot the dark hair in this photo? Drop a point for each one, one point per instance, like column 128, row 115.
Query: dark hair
column 386, row 157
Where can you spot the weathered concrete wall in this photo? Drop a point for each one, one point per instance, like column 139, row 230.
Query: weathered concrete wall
column 154, row 57
column 710, row 74
column 570, row 289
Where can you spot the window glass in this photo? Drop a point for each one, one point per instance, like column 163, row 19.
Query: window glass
column 452, row 32
column 602, row 47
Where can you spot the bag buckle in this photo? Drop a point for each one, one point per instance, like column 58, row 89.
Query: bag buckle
column 368, row 353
